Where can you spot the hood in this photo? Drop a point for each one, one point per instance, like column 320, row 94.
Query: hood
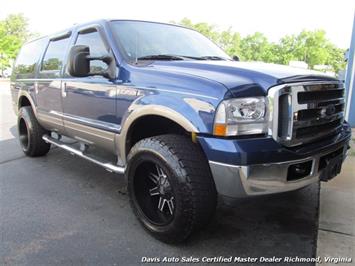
column 241, row 76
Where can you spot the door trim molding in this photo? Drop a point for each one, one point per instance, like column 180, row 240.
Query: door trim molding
column 114, row 128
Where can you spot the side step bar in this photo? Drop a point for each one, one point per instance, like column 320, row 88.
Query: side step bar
column 108, row 166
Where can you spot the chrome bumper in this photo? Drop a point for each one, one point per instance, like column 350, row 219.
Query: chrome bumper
column 234, row 181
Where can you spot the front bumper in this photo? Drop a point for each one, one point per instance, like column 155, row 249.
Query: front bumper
column 233, row 181
column 263, row 175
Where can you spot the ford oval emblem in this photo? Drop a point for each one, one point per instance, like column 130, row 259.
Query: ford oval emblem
column 329, row 110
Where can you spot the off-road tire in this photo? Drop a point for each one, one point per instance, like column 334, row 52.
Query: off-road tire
column 190, row 178
column 30, row 133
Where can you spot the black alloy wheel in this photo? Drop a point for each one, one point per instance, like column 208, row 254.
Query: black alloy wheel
column 170, row 185
column 154, row 194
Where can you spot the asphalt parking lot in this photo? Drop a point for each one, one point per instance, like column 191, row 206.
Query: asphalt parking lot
column 61, row 209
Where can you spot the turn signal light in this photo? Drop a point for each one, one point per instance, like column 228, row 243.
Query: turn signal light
column 220, row 130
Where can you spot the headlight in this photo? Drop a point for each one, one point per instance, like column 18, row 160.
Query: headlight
column 241, row 116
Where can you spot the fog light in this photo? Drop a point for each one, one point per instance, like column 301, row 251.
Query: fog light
column 299, row 170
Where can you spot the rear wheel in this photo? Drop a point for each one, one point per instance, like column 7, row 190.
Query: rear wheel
column 170, row 185
column 30, row 133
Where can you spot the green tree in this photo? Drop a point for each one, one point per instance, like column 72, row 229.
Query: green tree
column 256, row 47
column 229, row 41
column 335, row 58
column 206, row 29
column 13, row 33
column 311, row 47
column 284, row 50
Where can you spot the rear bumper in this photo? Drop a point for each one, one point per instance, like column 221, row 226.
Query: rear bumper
column 235, row 180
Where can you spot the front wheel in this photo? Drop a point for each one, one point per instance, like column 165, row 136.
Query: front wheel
column 171, row 188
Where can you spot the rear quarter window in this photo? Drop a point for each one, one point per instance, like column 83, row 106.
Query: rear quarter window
column 27, row 60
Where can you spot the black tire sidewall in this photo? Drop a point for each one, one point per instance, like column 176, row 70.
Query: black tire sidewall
column 24, row 114
column 36, row 145
column 182, row 219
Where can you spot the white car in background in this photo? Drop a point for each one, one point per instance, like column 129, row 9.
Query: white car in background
column 7, row 73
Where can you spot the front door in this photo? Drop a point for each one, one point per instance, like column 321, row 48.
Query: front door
column 89, row 103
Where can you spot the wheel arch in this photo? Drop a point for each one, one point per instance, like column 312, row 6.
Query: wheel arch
column 175, row 120
column 25, row 99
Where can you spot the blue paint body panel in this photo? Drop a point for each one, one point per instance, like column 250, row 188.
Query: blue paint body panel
column 208, row 82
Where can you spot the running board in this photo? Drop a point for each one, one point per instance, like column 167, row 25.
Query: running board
column 108, row 166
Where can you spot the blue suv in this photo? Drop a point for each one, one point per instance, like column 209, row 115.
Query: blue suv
column 185, row 123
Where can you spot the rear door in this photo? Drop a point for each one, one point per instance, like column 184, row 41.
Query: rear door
column 89, row 103
column 49, row 83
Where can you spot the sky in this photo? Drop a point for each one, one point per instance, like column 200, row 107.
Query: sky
column 274, row 18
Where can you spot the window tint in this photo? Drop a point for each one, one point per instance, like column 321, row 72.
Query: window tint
column 53, row 58
column 28, row 58
column 140, row 39
column 97, row 48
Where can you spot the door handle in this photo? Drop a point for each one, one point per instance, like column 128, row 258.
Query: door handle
column 64, row 89
column 36, row 87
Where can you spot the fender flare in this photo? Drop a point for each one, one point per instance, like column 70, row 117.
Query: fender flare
column 26, row 94
column 146, row 110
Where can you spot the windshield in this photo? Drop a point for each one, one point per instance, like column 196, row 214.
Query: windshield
column 149, row 40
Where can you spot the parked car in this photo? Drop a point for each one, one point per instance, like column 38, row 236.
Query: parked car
column 184, row 122
column 7, row 73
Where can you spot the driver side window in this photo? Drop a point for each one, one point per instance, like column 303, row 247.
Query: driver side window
column 97, row 48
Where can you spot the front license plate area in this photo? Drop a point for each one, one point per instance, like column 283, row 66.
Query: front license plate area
column 330, row 165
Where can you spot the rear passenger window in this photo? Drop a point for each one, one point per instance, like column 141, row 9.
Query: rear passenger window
column 28, row 57
column 97, row 48
column 54, row 56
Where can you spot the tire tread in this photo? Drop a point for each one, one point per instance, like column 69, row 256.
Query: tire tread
column 199, row 193
column 38, row 147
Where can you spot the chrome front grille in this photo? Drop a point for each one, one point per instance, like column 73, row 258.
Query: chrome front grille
column 304, row 112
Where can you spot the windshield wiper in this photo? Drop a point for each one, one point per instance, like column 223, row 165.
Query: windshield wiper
column 161, row 57
column 213, row 57
column 179, row 57
column 193, row 57
column 170, row 57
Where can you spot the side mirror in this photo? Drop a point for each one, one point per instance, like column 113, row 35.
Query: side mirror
column 79, row 63
column 236, row 58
